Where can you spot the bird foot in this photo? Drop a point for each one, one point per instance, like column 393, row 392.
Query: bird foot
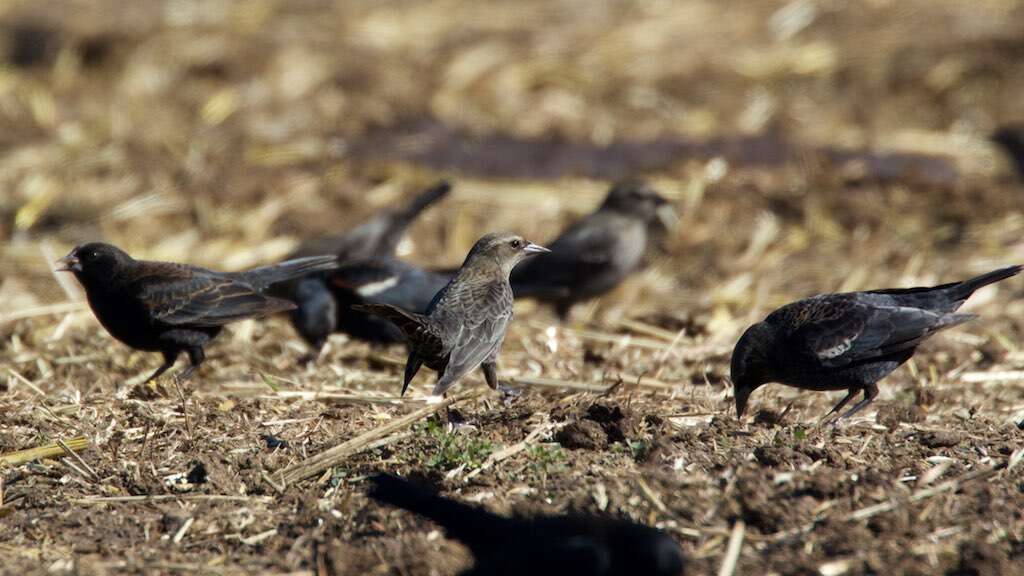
column 508, row 393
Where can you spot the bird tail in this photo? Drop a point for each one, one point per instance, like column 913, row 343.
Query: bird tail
column 472, row 526
column 963, row 290
column 265, row 276
column 407, row 322
column 420, row 203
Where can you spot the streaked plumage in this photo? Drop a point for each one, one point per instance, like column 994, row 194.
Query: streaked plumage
column 318, row 313
column 465, row 324
column 173, row 308
column 596, row 253
column 847, row 341
column 541, row 546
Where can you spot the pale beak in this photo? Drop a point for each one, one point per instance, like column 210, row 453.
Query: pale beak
column 69, row 263
column 532, row 248
column 667, row 216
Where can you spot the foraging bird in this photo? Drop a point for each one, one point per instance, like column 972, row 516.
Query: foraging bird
column 596, row 253
column 318, row 313
column 381, row 281
column 174, row 308
column 847, row 341
column 465, row 324
column 1011, row 139
column 542, row 546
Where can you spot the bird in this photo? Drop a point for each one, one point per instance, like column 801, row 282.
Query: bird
column 596, row 253
column 1011, row 139
column 847, row 341
column 565, row 545
column 317, row 312
column 173, row 308
column 465, row 323
column 383, row 281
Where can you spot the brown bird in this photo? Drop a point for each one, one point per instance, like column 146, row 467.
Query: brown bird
column 174, row 308
column 596, row 253
column 847, row 341
column 465, row 324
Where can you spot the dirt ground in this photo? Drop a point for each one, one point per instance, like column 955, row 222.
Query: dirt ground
column 807, row 146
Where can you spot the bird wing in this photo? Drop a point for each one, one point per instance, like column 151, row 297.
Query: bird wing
column 477, row 317
column 843, row 331
column 423, row 337
column 198, row 297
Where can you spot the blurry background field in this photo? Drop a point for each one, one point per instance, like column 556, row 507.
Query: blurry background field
column 808, row 146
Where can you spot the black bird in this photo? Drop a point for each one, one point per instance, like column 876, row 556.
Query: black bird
column 847, row 341
column 1011, row 139
column 174, row 308
column 596, row 253
column 542, row 546
column 317, row 311
column 382, row 281
column 465, row 323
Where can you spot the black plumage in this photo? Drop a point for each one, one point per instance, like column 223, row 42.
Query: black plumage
column 1011, row 140
column 465, row 324
column 382, row 281
column 541, row 546
column 847, row 341
column 174, row 308
column 318, row 312
column 596, row 253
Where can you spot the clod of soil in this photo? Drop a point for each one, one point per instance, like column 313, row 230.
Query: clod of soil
column 940, row 439
column 583, row 434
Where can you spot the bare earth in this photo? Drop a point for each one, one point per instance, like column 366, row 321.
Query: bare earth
column 222, row 133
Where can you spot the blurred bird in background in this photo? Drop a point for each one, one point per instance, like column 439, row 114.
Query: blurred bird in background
column 596, row 253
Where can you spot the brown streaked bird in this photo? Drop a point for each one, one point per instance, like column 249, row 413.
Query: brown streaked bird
column 465, row 324
column 173, row 308
column 318, row 312
column 847, row 341
column 596, row 253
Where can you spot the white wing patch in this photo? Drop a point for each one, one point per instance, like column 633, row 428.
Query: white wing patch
column 374, row 288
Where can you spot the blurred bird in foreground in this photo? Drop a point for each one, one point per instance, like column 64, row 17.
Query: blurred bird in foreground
column 174, row 308
column 1011, row 139
column 318, row 313
column 542, row 546
column 847, row 341
column 465, row 324
column 381, row 281
column 596, row 253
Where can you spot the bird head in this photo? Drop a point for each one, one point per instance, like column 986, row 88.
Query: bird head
column 752, row 363
column 637, row 198
column 504, row 248
column 94, row 260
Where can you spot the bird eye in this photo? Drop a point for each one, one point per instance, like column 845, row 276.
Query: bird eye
column 517, row 243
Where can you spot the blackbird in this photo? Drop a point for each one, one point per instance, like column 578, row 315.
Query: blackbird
column 847, row 341
column 382, row 281
column 596, row 253
column 1011, row 140
column 545, row 545
column 174, row 308
column 465, row 323
column 317, row 313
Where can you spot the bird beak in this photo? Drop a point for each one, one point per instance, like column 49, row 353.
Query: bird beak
column 69, row 263
column 667, row 215
column 742, row 394
column 532, row 248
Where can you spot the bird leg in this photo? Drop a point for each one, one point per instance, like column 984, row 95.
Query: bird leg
column 169, row 359
column 846, row 400
column 195, row 358
column 869, row 394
